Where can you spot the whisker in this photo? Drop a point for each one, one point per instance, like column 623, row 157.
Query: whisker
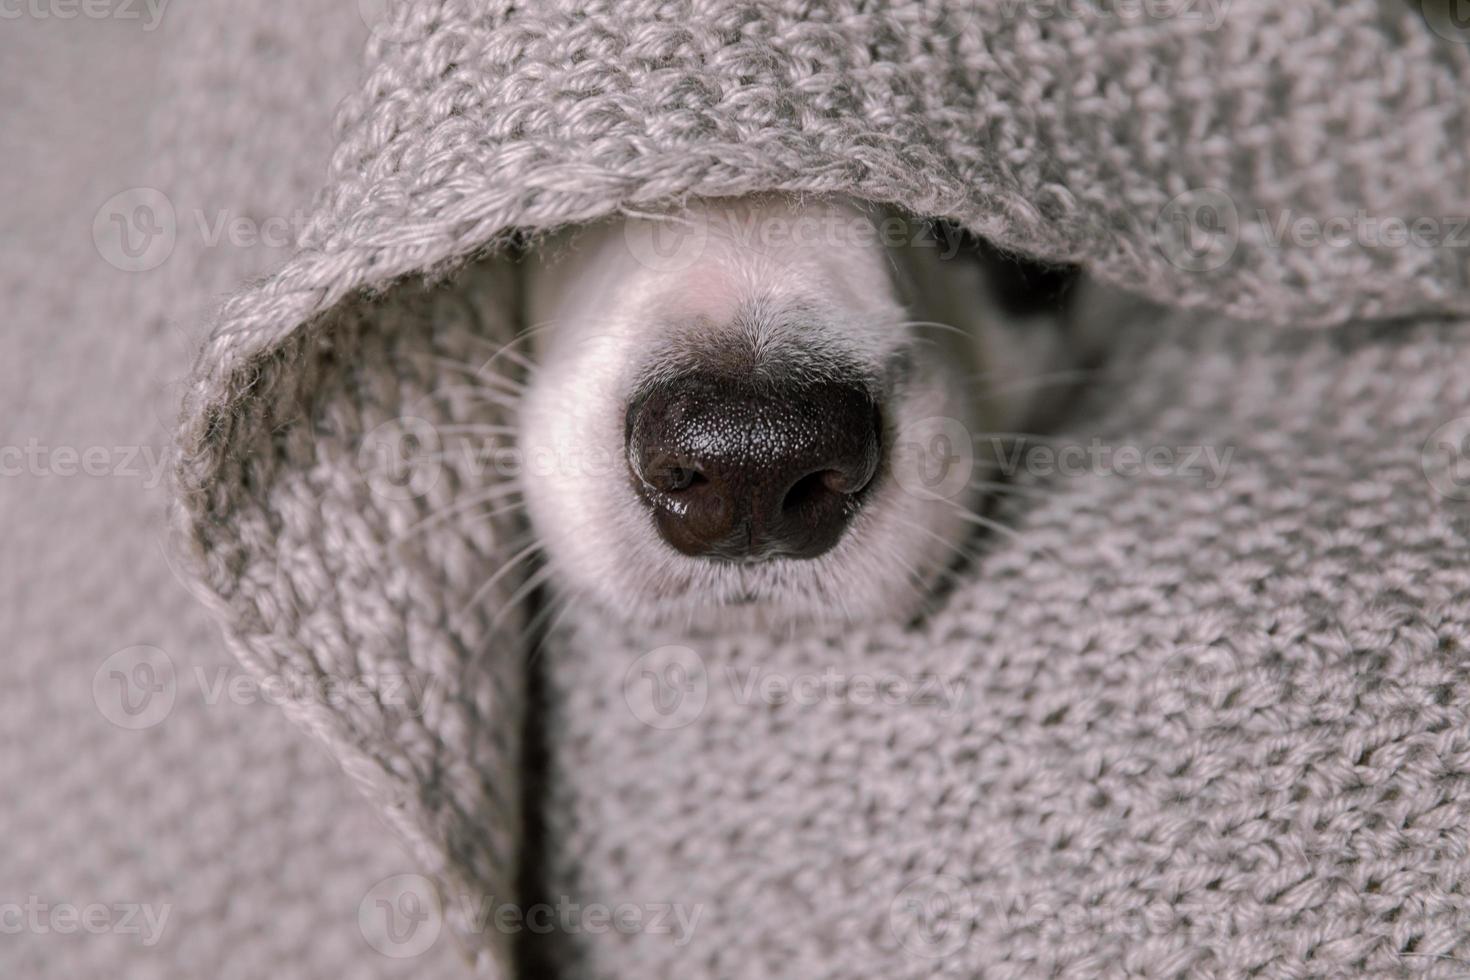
column 532, row 582
column 510, row 404
column 500, row 348
column 991, row 486
column 908, row 566
column 477, row 373
column 508, row 351
column 521, row 360
column 478, row 460
column 841, row 598
column 484, row 588
column 958, row 549
column 472, row 457
column 509, row 508
column 916, row 579
column 490, row 386
column 530, row 330
column 483, row 391
column 536, row 579
column 934, row 325
column 460, row 506
column 943, row 571
column 568, row 602
column 971, row 517
column 476, row 428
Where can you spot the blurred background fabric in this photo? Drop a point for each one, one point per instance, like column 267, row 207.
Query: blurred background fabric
column 246, row 843
column 1204, row 727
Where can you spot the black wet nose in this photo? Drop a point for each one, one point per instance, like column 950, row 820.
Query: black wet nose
column 739, row 470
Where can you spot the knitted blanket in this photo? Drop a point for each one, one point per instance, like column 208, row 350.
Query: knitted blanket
column 1200, row 719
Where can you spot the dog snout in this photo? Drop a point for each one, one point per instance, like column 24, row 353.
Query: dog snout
column 743, row 471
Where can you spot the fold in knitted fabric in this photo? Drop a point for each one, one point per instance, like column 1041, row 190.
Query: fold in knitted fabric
column 1303, row 164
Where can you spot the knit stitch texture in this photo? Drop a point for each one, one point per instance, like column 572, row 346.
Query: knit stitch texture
column 1302, row 815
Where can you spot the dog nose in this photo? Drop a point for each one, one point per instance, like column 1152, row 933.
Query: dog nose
column 741, row 471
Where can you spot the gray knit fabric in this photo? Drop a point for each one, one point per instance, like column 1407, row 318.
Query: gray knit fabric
column 208, row 810
column 1201, row 731
column 1228, row 714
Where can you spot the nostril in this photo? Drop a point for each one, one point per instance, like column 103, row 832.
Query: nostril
column 737, row 470
column 667, row 474
column 808, row 490
column 817, row 488
column 852, row 481
column 680, row 478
